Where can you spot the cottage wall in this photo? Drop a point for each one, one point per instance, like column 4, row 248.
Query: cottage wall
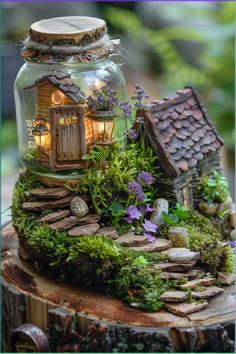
column 44, row 100
column 172, row 189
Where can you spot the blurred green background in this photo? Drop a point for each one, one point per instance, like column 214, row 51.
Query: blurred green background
column 166, row 46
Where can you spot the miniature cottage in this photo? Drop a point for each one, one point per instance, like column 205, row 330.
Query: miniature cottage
column 186, row 142
column 60, row 109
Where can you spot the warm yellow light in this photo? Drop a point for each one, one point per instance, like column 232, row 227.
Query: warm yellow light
column 43, row 141
column 57, row 97
column 41, row 134
column 103, row 131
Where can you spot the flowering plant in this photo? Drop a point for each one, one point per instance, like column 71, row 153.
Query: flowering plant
column 103, row 99
column 139, row 103
column 137, row 207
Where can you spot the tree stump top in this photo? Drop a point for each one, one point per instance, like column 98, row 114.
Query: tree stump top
column 21, row 275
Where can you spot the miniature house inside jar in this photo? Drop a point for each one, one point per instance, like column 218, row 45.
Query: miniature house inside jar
column 67, row 59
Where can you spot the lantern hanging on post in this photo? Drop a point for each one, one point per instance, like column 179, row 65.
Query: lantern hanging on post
column 41, row 134
column 103, row 124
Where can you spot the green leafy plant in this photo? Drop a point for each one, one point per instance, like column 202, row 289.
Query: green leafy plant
column 214, row 189
column 110, row 185
column 176, row 215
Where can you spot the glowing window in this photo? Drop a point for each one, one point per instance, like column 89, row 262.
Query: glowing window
column 57, row 97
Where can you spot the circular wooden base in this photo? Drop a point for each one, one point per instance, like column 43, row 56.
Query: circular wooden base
column 29, row 297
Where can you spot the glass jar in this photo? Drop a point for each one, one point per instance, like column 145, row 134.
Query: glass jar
column 54, row 128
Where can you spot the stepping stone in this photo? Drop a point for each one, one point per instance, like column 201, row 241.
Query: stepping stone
column 226, row 279
column 52, row 204
column 89, row 219
column 167, row 275
column 198, row 282
column 174, row 296
column 85, row 230
column 186, row 309
column 64, row 224
column 132, row 240
column 157, row 246
column 182, row 255
column 194, row 273
column 109, row 232
column 49, row 193
column 55, row 216
column 208, row 292
column 174, row 267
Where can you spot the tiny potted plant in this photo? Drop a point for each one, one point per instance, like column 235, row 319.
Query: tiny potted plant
column 215, row 194
column 103, row 114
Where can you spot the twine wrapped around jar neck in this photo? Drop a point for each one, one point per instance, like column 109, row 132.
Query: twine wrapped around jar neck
column 73, row 39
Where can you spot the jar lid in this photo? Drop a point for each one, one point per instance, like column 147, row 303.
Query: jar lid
column 79, row 38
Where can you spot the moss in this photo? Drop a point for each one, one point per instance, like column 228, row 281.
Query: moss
column 99, row 263
column 136, row 284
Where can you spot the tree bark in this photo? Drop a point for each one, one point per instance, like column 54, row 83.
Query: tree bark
column 76, row 320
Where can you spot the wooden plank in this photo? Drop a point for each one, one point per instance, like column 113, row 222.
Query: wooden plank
column 55, row 216
column 49, row 193
column 51, row 204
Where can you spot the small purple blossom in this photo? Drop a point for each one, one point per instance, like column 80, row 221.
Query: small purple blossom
column 145, row 178
column 126, row 108
column 132, row 134
column 135, row 189
column 148, row 209
column 133, row 214
column 151, row 238
column 149, row 226
column 232, row 243
column 103, row 99
column 139, row 95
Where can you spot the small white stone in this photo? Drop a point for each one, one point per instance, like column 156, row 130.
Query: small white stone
column 161, row 206
column 182, row 255
column 78, row 207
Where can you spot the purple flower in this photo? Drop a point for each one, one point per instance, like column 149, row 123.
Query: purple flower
column 145, row 178
column 126, row 108
column 139, row 95
column 133, row 214
column 148, row 209
column 135, row 189
column 149, row 226
column 151, row 238
column 132, row 134
column 232, row 243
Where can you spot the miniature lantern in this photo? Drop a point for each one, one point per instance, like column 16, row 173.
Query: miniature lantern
column 103, row 127
column 41, row 134
column 67, row 58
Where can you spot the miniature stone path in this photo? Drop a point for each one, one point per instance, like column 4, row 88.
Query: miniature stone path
column 180, row 264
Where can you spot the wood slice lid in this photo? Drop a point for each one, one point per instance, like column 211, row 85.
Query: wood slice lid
column 71, row 30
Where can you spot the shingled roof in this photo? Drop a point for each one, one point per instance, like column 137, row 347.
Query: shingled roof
column 63, row 81
column 180, row 131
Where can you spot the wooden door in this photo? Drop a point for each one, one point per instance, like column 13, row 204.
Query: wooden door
column 68, row 142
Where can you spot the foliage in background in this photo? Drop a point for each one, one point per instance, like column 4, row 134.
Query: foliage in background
column 215, row 70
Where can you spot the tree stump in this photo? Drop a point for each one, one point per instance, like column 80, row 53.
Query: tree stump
column 75, row 319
